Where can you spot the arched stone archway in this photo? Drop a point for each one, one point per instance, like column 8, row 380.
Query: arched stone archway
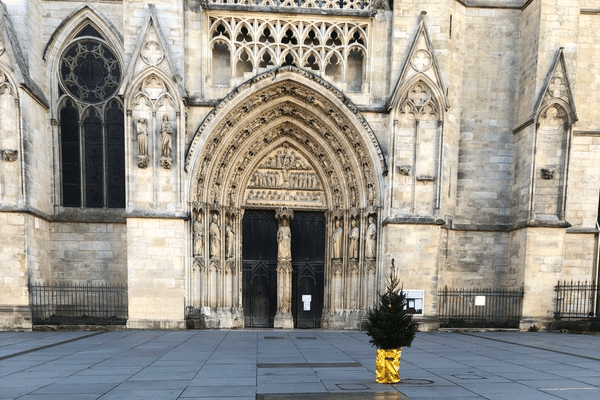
column 288, row 140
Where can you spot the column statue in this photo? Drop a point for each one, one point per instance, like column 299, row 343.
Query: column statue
column 371, row 240
column 229, row 240
column 166, row 142
column 284, row 241
column 354, row 237
column 198, row 236
column 141, row 128
column 215, row 237
column 336, row 240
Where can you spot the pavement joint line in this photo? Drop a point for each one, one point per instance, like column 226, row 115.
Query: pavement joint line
column 21, row 353
column 309, row 365
column 532, row 347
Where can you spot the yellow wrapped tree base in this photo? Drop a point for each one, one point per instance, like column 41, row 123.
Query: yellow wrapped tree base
column 387, row 366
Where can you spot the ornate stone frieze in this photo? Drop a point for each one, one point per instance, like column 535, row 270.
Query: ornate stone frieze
column 310, row 4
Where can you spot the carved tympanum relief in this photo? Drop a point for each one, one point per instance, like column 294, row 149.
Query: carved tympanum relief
column 285, row 177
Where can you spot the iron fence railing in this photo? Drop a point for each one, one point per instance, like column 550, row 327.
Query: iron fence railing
column 576, row 300
column 72, row 303
column 480, row 307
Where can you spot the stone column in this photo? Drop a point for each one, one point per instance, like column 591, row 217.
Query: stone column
column 283, row 317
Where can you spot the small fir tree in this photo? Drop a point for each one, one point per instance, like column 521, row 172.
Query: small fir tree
column 389, row 324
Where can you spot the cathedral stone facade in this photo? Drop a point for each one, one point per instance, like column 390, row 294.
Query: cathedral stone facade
column 260, row 163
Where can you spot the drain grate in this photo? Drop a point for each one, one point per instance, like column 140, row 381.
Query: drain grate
column 306, row 338
column 469, row 376
column 415, row 382
column 360, row 386
column 273, row 337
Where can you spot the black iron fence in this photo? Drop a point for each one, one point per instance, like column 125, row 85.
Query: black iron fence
column 480, row 308
column 68, row 303
column 576, row 300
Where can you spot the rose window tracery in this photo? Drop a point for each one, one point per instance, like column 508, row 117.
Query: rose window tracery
column 90, row 71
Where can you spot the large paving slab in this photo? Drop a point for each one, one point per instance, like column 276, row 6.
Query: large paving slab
column 280, row 365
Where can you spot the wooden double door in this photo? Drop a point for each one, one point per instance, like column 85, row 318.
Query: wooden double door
column 259, row 268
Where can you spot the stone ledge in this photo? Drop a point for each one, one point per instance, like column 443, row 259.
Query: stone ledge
column 413, row 221
column 156, row 214
column 291, row 10
column 164, row 324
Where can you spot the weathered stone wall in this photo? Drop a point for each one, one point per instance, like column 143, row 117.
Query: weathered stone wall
column 156, row 253
column 476, row 259
column 93, row 253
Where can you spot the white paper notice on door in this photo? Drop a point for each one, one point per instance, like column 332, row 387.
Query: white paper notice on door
column 306, row 298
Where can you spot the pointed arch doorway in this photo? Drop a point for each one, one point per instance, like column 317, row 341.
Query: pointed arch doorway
column 284, row 140
column 259, row 268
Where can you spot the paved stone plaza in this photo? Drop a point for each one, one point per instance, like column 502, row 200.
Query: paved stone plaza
column 274, row 364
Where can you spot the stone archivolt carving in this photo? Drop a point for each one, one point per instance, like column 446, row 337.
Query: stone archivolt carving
column 1, row 47
column 320, row 46
column 269, row 182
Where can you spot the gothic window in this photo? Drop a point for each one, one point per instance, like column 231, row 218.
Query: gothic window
column 91, row 123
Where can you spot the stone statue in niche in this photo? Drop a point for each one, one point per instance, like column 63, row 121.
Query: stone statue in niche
column 284, row 240
column 166, row 142
column 229, row 239
column 198, row 236
column 336, row 240
column 141, row 128
column 371, row 239
column 354, row 237
column 215, row 237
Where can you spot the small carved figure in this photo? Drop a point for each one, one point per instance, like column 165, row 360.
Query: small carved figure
column 354, row 237
column 547, row 173
column 371, row 240
column 215, row 237
column 229, row 240
column 198, row 236
column 166, row 142
column 336, row 240
column 141, row 128
column 284, row 241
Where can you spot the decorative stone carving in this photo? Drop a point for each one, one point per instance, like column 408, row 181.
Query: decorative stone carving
column 1, row 47
column 330, row 40
column 215, row 237
column 421, row 60
column 285, row 178
column 198, row 236
column 152, row 53
column 10, row 155
column 404, row 169
column 337, row 240
column 166, row 142
column 141, row 128
column 354, row 237
column 371, row 239
column 547, row 173
column 153, row 87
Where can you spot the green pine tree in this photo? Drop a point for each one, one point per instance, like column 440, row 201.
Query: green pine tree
column 389, row 325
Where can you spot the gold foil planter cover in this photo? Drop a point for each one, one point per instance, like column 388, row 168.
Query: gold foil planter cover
column 387, row 366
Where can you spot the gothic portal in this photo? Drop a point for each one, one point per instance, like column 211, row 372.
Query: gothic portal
column 284, row 158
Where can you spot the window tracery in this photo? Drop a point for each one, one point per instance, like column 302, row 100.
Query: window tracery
column 328, row 4
column 243, row 45
column 91, row 123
